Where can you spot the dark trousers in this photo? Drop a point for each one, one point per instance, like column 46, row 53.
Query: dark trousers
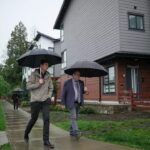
column 16, row 105
column 36, row 107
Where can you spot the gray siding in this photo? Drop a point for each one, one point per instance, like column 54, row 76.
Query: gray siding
column 91, row 29
column 135, row 41
column 57, row 68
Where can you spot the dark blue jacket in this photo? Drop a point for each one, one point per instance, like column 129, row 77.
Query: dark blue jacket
column 68, row 93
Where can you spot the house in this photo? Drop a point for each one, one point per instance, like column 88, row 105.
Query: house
column 116, row 34
column 44, row 41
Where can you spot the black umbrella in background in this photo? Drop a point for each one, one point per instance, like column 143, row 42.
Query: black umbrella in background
column 18, row 90
column 33, row 58
column 87, row 69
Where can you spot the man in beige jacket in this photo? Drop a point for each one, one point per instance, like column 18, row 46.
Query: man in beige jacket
column 41, row 88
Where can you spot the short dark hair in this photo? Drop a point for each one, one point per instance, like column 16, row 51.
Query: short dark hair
column 75, row 71
column 43, row 61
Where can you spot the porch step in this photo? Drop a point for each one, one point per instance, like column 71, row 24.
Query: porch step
column 143, row 107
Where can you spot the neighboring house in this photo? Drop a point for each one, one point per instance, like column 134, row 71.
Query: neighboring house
column 114, row 33
column 46, row 42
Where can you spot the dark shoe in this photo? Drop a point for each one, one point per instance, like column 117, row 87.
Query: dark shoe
column 48, row 144
column 26, row 139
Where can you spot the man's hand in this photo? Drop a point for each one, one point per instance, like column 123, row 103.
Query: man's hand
column 52, row 98
column 86, row 90
column 41, row 81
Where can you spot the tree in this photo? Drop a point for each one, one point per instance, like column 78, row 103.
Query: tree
column 17, row 45
column 4, row 87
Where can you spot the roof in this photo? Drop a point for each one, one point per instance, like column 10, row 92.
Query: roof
column 61, row 14
column 125, row 54
column 39, row 34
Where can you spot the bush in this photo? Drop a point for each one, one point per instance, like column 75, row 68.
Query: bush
column 2, row 118
column 25, row 103
column 4, row 87
column 57, row 108
column 87, row 110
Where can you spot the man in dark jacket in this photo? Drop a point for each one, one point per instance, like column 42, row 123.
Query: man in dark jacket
column 72, row 98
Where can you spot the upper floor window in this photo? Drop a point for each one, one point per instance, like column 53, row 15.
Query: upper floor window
column 62, row 33
column 109, row 85
column 136, row 21
column 51, row 48
column 64, row 58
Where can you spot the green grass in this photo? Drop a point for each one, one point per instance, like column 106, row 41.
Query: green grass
column 2, row 118
column 133, row 133
column 6, row 147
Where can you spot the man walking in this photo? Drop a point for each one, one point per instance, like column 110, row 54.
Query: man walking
column 41, row 87
column 72, row 98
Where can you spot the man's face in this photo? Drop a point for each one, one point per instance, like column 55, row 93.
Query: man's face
column 44, row 66
column 76, row 75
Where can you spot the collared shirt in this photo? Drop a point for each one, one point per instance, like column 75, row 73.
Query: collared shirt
column 77, row 90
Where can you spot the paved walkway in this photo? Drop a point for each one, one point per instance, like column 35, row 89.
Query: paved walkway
column 3, row 138
column 17, row 120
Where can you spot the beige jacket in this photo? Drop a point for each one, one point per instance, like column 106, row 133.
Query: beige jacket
column 39, row 92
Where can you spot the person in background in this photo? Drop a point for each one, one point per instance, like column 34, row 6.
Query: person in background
column 41, row 87
column 15, row 99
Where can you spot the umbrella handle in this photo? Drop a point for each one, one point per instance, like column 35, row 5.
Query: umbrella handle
column 40, row 73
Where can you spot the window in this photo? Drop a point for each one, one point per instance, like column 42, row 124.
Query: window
column 64, row 59
column 51, row 48
column 136, row 22
column 62, row 33
column 109, row 81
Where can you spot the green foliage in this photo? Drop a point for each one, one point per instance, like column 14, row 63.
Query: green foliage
column 25, row 103
column 87, row 110
column 4, row 87
column 134, row 133
column 2, row 118
column 6, row 147
column 17, row 45
column 57, row 108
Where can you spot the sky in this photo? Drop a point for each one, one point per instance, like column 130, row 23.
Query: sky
column 36, row 15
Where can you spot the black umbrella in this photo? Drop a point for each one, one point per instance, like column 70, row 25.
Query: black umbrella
column 18, row 90
column 33, row 58
column 87, row 69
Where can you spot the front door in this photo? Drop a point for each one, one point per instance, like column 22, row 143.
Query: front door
column 133, row 79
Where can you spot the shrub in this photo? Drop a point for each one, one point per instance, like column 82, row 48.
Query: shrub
column 87, row 110
column 25, row 103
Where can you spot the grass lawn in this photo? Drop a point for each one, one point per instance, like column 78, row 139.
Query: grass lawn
column 133, row 132
column 2, row 118
column 5, row 147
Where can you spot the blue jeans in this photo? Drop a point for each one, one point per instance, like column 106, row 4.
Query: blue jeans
column 74, row 111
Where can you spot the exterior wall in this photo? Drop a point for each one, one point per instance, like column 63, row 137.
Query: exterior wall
column 144, row 69
column 26, row 73
column 134, row 41
column 91, row 30
column 44, row 43
column 57, row 68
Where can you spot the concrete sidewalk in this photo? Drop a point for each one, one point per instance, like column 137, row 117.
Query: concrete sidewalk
column 16, row 123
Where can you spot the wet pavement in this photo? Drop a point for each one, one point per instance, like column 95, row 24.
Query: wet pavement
column 3, row 138
column 16, row 123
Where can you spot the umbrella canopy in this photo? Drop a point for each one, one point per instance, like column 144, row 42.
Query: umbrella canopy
column 18, row 90
column 33, row 58
column 87, row 69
